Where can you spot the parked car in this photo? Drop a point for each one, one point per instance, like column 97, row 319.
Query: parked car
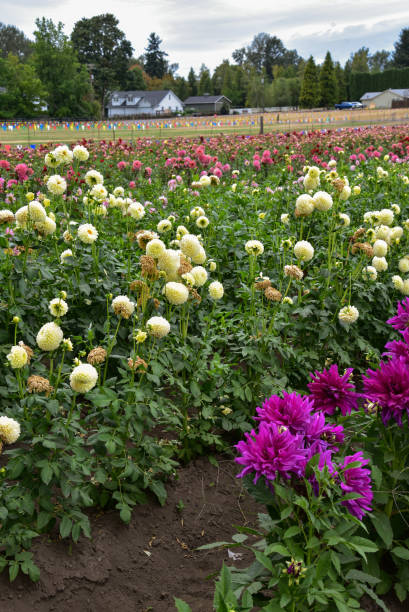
column 348, row 105
column 344, row 105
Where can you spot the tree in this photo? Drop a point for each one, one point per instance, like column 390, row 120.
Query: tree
column 265, row 52
column 155, row 63
column 68, row 84
column 340, row 83
column 360, row 60
column 25, row 94
column 104, row 50
column 380, row 61
column 284, row 91
column 13, row 40
column 205, row 82
column 401, row 53
column 328, row 86
column 181, row 88
column 192, row 82
column 309, row 94
column 133, row 78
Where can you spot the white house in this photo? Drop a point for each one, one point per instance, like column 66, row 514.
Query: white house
column 383, row 99
column 152, row 103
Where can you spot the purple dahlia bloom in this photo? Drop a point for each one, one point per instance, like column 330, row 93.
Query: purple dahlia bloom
column 292, row 411
column 329, row 390
column 272, row 450
column 401, row 320
column 319, row 437
column 356, row 480
column 389, row 387
column 398, row 348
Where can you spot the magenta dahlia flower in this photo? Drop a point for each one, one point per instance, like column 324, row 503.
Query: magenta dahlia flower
column 272, row 450
column 319, row 437
column 329, row 391
column 398, row 348
column 292, row 411
column 401, row 320
column 389, row 387
column 356, row 480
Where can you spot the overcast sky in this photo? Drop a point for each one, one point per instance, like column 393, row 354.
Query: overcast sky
column 207, row 31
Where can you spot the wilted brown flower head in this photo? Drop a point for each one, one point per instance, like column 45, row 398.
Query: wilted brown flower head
column 339, row 184
column 38, row 384
column 139, row 286
column 262, row 284
column 365, row 247
column 145, row 236
column 7, row 217
column 193, row 292
column 97, row 355
column 28, row 350
column 137, row 364
column 185, row 266
column 156, row 303
column 148, row 267
column 359, row 232
column 272, row 294
column 293, row 272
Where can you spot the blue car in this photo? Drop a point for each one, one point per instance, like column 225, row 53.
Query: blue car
column 344, row 105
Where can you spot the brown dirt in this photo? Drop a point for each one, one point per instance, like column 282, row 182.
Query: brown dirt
column 140, row 567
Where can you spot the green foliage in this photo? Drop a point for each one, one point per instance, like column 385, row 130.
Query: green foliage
column 205, row 82
column 68, row 84
column 25, row 94
column 327, row 83
column 105, row 52
column 13, row 40
column 309, row 93
column 401, row 53
column 155, row 63
column 394, row 78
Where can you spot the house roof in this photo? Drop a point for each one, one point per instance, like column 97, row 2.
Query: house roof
column 206, row 99
column 370, row 94
column 152, row 97
column 403, row 93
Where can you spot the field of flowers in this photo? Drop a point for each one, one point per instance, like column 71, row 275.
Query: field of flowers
column 155, row 293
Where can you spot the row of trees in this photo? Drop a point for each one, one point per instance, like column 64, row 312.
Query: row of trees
column 72, row 76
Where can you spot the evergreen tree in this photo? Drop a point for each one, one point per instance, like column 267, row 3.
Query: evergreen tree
column 327, row 83
column 181, row 88
column 205, row 82
column 340, row 83
column 192, row 83
column 401, row 54
column 309, row 94
column 155, row 63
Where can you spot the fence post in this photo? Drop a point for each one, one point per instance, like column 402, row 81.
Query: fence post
column 261, row 124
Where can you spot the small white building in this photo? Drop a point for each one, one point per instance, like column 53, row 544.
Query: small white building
column 144, row 103
column 384, row 99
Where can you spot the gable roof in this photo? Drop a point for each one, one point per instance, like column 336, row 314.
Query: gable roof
column 152, row 97
column 401, row 92
column 206, row 99
column 370, row 94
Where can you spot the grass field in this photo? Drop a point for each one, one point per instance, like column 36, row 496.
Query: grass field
column 37, row 133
